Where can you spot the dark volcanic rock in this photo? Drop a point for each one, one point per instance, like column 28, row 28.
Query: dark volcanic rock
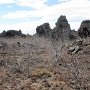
column 61, row 31
column 73, row 35
column 62, row 28
column 12, row 33
column 63, row 23
column 84, row 29
column 43, row 29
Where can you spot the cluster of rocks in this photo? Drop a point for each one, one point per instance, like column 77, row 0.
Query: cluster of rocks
column 61, row 30
column 75, row 47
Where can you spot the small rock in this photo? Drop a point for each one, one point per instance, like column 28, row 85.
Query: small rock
column 2, row 63
column 77, row 49
column 71, row 49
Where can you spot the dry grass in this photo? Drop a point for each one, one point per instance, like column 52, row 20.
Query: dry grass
column 34, row 66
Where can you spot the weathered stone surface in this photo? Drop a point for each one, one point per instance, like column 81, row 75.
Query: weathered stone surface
column 63, row 23
column 12, row 33
column 76, row 47
column 62, row 28
column 61, row 31
column 84, row 29
column 70, row 50
column 43, row 29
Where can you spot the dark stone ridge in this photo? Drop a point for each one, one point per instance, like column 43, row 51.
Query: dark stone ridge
column 12, row 33
column 43, row 29
column 84, row 30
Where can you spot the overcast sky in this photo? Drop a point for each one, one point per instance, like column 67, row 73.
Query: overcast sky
column 28, row 14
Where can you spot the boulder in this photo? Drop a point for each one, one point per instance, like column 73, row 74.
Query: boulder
column 70, row 50
column 62, row 28
column 63, row 23
column 84, row 30
column 77, row 49
column 74, row 49
column 43, row 29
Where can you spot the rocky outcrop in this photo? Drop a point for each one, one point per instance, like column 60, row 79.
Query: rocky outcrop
column 43, row 29
column 61, row 31
column 62, row 23
column 62, row 28
column 12, row 33
column 84, row 30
